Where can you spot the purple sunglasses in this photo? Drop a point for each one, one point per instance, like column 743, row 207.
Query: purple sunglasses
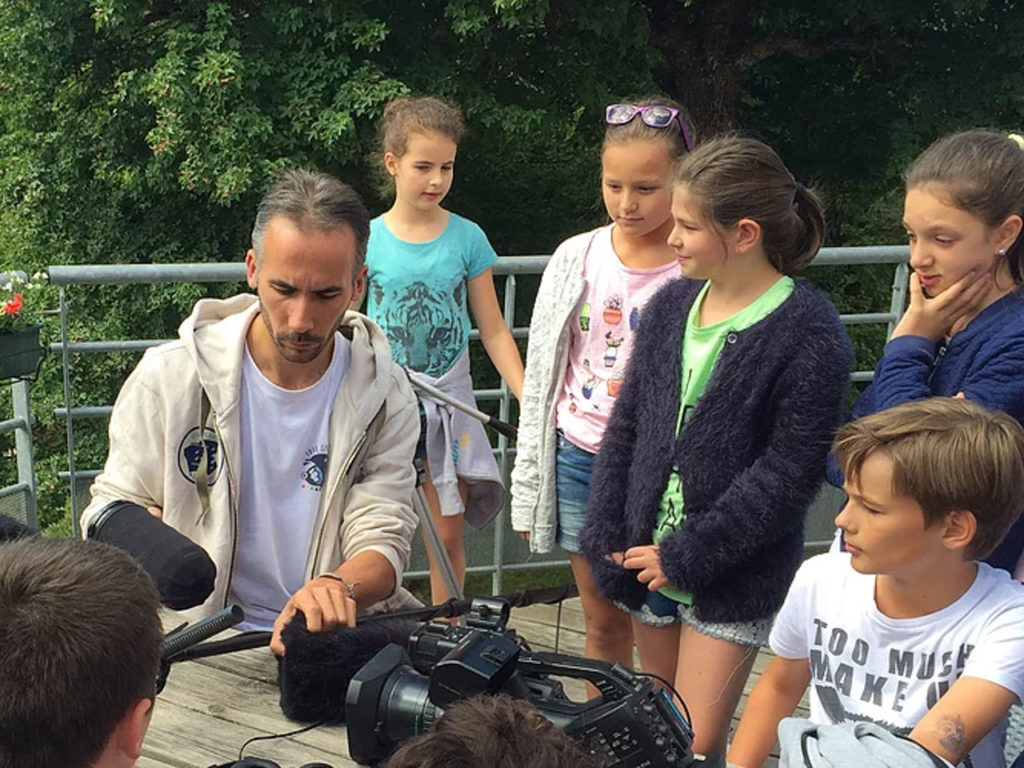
column 654, row 115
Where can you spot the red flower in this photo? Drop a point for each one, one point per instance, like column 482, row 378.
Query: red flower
column 14, row 305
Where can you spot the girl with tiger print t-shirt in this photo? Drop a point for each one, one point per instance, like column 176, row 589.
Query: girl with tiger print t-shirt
column 425, row 265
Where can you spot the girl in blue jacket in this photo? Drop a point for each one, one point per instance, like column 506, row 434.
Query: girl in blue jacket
column 963, row 332
column 717, row 443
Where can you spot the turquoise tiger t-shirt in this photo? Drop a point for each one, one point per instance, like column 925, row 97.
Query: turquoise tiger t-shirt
column 417, row 291
column 702, row 346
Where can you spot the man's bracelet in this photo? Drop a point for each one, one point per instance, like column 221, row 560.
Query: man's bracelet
column 350, row 586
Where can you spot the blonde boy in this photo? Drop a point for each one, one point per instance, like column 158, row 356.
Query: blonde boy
column 906, row 629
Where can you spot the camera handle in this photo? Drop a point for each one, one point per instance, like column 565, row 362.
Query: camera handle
column 613, row 681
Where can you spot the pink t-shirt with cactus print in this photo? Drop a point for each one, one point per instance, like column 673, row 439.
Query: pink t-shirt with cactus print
column 601, row 338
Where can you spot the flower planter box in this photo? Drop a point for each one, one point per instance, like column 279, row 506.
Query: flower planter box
column 19, row 353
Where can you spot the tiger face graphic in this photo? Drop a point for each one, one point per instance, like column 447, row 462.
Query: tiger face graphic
column 423, row 325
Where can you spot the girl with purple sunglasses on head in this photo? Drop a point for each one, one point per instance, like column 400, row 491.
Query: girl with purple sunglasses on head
column 590, row 300
column 427, row 268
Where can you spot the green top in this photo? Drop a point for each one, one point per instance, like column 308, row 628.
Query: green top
column 701, row 349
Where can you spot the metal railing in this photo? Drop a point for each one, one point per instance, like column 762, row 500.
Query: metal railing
column 19, row 500
column 511, row 267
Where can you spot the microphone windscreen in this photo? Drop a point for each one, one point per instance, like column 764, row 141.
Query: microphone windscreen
column 11, row 529
column 182, row 570
column 318, row 666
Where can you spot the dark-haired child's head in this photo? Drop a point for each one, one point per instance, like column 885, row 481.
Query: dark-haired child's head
column 492, row 732
column 944, row 472
column 963, row 209
column 731, row 181
column 80, row 635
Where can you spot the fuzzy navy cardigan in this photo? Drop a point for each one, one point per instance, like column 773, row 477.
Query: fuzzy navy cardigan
column 751, row 457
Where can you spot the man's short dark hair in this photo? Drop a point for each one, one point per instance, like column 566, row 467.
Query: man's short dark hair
column 492, row 732
column 80, row 638
column 313, row 202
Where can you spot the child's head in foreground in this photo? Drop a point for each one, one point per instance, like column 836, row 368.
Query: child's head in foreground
column 942, row 474
column 492, row 731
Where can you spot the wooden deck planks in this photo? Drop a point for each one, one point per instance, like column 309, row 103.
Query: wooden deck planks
column 211, row 707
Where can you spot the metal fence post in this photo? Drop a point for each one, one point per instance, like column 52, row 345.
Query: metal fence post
column 23, row 448
column 900, row 280
column 504, row 410
column 65, row 365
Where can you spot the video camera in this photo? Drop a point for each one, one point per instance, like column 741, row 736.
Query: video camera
column 401, row 692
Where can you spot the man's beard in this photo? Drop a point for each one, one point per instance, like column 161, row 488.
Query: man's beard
column 291, row 354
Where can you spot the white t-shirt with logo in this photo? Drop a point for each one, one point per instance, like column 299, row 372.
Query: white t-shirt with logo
column 285, row 444
column 867, row 666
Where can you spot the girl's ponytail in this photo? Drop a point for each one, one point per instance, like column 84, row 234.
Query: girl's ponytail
column 809, row 234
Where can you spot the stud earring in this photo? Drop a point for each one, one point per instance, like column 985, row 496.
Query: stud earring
column 1001, row 252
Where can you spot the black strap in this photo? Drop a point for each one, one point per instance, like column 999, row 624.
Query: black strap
column 937, row 761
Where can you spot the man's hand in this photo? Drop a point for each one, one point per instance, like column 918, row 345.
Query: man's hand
column 326, row 604
column 647, row 561
column 948, row 312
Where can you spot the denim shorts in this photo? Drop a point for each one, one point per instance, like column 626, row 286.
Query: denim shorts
column 661, row 611
column 573, row 467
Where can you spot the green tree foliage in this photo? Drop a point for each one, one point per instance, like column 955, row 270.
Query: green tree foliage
column 146, row 130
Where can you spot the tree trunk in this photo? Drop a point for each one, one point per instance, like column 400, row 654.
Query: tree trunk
column 702, row 45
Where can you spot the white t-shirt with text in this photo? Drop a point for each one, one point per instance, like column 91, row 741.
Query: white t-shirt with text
column 867, row 666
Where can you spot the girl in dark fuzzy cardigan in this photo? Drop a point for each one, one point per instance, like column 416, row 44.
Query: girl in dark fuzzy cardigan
column 717, row 443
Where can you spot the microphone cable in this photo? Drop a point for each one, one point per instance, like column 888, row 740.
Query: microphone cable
column 669, row 687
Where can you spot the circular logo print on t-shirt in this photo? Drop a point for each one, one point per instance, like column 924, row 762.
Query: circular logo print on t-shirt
column 191, row 451
column 314, row 468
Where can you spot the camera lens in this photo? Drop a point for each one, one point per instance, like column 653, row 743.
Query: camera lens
column 405, row 707
column 387, row 702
